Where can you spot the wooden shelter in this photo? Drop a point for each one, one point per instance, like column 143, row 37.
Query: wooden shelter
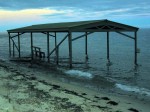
column 88, row 27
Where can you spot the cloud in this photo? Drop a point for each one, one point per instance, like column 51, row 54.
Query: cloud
column 25, row 15
column 81, row 14
column 70, row 8
column 11, row 18
column 57, row 14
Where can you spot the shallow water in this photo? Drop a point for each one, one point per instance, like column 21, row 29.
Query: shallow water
column 122, row 70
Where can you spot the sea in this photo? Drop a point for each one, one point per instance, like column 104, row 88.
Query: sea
column 119, row 76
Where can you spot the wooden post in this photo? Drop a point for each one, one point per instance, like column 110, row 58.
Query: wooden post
column 86, row 50
column 57, row 55
column 9, row 45
column 31, row 46
column 48, row 57
column 55, row 43
column 70, row 48
column 13, row 50
column 19, row 44
column 135, row 48
column 108, row 47
column 57, row 50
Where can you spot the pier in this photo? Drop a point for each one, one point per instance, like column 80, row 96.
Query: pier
column 51, row 30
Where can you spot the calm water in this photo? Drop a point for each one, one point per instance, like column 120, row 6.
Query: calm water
column 122, row 71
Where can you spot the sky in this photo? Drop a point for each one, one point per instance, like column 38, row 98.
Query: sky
column 20, row 13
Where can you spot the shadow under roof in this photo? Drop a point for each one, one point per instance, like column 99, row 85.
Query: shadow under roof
column 80, row 26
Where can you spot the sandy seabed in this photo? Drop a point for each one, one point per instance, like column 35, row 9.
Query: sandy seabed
column 30, row 89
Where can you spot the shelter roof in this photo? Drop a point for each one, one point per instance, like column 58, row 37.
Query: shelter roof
column 80, row 26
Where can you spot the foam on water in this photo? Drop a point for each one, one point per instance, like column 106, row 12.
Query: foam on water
column 135, row 89
column 79, row 73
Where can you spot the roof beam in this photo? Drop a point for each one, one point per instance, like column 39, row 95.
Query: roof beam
column 123, row 26
column 101, row 30
column 104, row 27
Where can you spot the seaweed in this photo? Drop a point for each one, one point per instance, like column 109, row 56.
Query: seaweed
column 96, row 97
column 71, row 92
column 112, row 103
column 101, row 107
column 56, row 86
column 84, row 94
column 105, row 98
column 133, row 110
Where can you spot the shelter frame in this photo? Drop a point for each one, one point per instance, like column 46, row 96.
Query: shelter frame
column 87, row 27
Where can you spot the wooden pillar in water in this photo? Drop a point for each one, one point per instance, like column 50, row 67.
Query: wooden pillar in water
column 9, row 45
column 108, row 47
column 86, row 49
column 19, row 45
column 48, row 57
column 57, row 50
column 55, row 43
column 31, row 46
column 70, row 49
column 135, row 48
column 13, row 49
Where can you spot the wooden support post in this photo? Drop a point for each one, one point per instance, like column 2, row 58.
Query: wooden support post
column 19, row 44
column 70, row 48
column 108, row 47
column 57, row 55
column 86, row 49
column 135, row 48
column 9, row 45
column 48, row 57
column 13, row 50
column 31, row 46
column 55, row 42
column 57, row 49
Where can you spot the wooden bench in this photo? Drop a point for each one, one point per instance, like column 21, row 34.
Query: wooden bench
column 38, row 53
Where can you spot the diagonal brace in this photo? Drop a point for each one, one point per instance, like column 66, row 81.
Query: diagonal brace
column 15, row 44
column 58, row 45
column 125, row 35
column 82, row 36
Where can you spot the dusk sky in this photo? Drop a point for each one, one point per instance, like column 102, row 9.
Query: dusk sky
column 20, row 13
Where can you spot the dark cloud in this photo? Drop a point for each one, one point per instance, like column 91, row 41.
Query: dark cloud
column 88, row 4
